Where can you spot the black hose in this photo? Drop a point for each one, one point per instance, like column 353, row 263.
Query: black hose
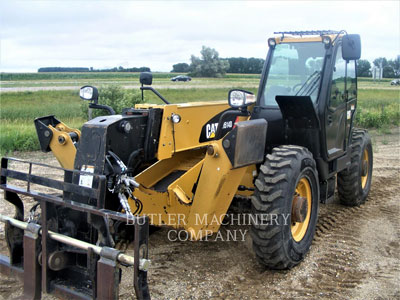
column 131, row 159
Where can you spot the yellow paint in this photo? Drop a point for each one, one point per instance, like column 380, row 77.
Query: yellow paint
column 197, row 188
column 299, row 39
column 185, row 134
column 212, row 176
column 365, row 160
column 200, row 213
column 180, row 161
column 216, row 187
column 299, row 229
column 181, row 195
column 163, row 207
column 65, row 151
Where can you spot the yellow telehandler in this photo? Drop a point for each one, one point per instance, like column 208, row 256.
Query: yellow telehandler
column 180, row 165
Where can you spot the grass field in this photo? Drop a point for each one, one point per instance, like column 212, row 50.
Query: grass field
column 12, row 80
column 100, row 75
column 378, row 105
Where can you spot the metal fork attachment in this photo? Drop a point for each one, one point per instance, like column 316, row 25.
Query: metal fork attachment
column 68, row 248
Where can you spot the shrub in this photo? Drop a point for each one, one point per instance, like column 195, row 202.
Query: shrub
column 379, row 117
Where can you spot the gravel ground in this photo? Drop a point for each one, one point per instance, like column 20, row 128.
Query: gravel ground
column 355, row 254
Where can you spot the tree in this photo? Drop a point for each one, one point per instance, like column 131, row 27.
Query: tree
column 181, row 68
column 388, row 67
column 363, row 68
column 377, row 62
column 391, row 68
column 395, row 64
column 237, row 64
column 388, row 72
column 245, row 65
column 255, row 65
column 62, row 69
column 209, row 65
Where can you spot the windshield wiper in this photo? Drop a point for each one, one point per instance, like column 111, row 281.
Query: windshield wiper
column 310, row 85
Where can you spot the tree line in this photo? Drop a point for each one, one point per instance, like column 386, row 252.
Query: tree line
column 211, row 65
column 390, row 68
column 91, row 69
column 236, row 65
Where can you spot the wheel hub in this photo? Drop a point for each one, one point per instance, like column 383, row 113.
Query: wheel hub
column 364, row 169
column 299, row 209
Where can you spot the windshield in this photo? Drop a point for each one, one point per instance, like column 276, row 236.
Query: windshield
column 295, row 70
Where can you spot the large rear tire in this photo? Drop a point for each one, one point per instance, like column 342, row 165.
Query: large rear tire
column 354, row 183
column 288, row 174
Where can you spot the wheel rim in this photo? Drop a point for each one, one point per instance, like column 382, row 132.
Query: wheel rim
column 299, row 229
column 364, row 169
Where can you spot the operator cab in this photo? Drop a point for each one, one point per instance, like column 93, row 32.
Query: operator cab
column 308, row 93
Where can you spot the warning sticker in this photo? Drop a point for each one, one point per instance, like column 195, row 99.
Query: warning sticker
column 86, row 180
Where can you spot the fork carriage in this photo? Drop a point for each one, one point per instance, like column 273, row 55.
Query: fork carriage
column 42, row 252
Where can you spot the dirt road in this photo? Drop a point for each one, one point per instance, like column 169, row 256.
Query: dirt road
column 202, row 83
column 355, row 254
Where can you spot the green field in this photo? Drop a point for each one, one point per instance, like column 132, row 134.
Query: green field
column 378, row 105
column 100, row 75
column 14, row 80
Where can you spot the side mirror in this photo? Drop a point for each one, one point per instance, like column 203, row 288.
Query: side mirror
column 146, row 78
column 351, row 47
column 240, row 98
column 89, row 93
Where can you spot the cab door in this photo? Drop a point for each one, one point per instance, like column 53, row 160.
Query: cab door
column 337, row 109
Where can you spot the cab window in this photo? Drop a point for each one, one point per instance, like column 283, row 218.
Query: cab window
column 295, row 70
column 351, row 80
column 338, row 88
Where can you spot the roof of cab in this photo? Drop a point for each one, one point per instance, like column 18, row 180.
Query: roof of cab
column 306, row 36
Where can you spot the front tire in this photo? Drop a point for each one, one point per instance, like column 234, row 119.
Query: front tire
column 354, row 183
column 287, row 175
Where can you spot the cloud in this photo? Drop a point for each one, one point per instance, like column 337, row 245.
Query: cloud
column 159, row 34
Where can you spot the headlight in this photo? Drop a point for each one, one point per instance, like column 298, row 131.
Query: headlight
column 237, row 98
column 327, row 41
column 240, row 98
column 250, row 99
column 271, row 42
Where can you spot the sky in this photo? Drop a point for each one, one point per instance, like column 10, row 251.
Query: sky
column 158, row 34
